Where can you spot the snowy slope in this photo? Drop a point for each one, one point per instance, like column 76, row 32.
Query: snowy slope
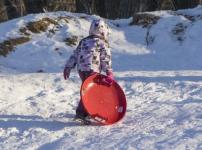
column 162, row 82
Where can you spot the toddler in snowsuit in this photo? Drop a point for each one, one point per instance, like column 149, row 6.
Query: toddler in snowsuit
column 92, row 55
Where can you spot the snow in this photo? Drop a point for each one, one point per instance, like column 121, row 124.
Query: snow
column 162, row 82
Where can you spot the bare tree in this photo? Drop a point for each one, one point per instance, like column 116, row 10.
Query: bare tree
column 182, row 4
column 3, row 11
column 14, row 8
column 86, row 4
column 174, row 4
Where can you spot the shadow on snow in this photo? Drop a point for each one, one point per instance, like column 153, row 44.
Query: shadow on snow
column 23, row 123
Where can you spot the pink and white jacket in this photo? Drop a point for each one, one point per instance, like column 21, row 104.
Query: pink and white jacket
column 93, row 52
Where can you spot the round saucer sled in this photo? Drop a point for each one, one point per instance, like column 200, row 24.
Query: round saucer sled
column 104, row 103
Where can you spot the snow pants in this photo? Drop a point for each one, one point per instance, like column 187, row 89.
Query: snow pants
column 80, row 111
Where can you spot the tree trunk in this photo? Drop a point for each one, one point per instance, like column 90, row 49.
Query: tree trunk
column 112, row 8
column 15, row 8
column 3, row 11
column 182, row 4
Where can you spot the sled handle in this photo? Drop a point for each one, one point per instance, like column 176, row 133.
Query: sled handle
column 99, row 118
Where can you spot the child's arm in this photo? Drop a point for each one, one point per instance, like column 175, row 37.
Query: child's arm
column 71, row 62
column 106, row 64
column 105, row 58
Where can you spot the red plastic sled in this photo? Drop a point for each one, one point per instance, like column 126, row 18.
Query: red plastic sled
column 104, row 103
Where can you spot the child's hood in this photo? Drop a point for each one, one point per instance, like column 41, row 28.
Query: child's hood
column 99, row 28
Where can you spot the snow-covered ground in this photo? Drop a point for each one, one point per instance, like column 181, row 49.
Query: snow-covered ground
column 162, row 81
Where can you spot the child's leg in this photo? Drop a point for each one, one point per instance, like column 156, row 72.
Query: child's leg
column 80, row 111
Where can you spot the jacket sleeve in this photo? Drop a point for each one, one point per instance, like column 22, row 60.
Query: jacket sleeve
column 72, row 61
column 105, row 57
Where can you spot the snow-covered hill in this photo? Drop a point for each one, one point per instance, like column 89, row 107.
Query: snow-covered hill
column 159, row 67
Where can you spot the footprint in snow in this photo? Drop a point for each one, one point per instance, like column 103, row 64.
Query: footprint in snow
column 40, row 94
column 59, row 89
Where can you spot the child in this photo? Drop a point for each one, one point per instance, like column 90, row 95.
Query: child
column 92, row 55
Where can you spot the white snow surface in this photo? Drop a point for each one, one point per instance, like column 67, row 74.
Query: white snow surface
column 162, row 82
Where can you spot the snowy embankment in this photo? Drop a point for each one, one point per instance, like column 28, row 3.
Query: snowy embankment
column 162, row 80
